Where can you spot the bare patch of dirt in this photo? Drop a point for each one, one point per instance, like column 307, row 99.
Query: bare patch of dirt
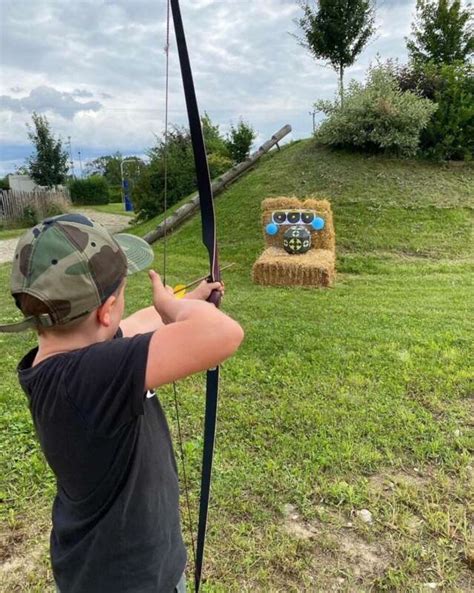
column 342, row 557
column 385, row 484
column 9, row 542
column 24, row 556
column 360, row 557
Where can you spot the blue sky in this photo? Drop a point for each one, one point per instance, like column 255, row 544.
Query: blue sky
column 97, row 69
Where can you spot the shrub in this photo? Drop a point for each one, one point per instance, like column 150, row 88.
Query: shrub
column 115, row 194
column 52, row 209
column 4, row 184
column 148, row 193
column 422, row 81
column 240, row 141
column 376, row 116
column 29, row 217
column 218, row 164
column 450, row 132
column 93, row 190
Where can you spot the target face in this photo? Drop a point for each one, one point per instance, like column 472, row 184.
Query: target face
column 296, row 240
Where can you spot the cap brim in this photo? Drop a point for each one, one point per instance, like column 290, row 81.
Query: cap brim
column 138, row 252
column 18, row 326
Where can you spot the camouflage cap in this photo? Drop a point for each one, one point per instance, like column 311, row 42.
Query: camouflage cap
column 72, row 264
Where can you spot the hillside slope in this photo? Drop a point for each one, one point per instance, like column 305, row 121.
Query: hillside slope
column 340, row 400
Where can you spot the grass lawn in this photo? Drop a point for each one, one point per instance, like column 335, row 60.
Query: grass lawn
column 352, row 398
column 10, row 233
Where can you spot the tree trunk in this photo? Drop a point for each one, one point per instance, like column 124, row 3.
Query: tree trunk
column 341, row 84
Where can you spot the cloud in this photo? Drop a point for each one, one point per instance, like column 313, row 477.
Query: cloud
column 47, row 99
column 102, row 80
column 82, row 93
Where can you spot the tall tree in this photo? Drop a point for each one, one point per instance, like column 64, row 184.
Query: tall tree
column 48, row 166
column 337, row 31
column 109, row 166
column 442, row 32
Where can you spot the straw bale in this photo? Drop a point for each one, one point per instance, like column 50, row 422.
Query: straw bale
column 316, row 267
column 276, row 267
column 324, row 239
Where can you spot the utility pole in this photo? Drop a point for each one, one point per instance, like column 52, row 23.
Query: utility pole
column 313, row 113
column 71, row 162
column 80, row 162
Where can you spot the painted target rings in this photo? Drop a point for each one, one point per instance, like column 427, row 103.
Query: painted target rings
column 296, row 240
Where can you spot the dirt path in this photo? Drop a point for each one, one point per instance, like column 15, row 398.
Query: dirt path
column 113, row 222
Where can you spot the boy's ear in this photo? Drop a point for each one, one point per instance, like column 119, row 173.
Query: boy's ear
column 103, row 312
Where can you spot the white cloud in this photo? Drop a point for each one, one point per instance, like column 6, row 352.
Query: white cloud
column 45, row 99
column 97, row 68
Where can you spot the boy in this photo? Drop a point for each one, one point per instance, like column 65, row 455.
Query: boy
column 116, row 526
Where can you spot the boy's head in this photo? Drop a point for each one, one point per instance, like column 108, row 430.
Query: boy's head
column 69, row 266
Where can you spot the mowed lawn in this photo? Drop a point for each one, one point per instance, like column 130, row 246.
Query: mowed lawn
column 354, row 398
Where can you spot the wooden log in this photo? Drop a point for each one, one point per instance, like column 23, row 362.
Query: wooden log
column 218, row 186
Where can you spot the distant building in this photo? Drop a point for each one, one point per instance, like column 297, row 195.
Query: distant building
column 27, row 184
column 22, row 183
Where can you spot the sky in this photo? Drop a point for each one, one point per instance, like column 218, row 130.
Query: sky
column 96, row 69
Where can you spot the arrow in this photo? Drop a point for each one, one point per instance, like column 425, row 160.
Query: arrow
column 181, row 288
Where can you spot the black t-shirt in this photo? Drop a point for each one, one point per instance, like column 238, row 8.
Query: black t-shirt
column 116, row 526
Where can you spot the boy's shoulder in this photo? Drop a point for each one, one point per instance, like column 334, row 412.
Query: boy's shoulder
column 104, row 382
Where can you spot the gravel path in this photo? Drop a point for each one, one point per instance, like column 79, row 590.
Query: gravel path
column 114, row 223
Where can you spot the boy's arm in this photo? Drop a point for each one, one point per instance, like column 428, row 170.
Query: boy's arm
column 148, row 319
column 143, row 321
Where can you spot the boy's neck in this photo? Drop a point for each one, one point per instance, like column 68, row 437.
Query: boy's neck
column 51, row 343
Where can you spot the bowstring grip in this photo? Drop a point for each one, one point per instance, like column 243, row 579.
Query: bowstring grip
column 215, row 296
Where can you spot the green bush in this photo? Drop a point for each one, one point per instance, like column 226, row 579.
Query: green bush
column 450, row 131
column 52, row 209
column 115, row 194
column 377, row 116
column 218, row 164
column 93, row 190
column 240, row 141
column 29, row 217
column 148, row 195
column 4, row 184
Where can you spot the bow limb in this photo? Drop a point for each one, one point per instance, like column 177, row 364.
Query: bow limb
column 209, row 237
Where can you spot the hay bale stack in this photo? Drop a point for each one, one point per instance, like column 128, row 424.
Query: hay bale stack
column 316, row 267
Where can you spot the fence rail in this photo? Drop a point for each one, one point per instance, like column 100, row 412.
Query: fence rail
column 15, row 205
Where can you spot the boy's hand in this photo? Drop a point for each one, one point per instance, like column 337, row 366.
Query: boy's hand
column 203, row 291
column 162, row 296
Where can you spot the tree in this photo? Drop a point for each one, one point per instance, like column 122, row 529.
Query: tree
column 442, row 32
column 337, row 31
column 240, row 141
column 108, row 166
column 215, row 143
column 48, row 166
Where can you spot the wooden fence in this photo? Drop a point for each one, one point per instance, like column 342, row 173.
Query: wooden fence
column 16, row 205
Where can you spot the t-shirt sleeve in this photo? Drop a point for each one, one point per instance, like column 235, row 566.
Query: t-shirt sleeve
column 106, row 382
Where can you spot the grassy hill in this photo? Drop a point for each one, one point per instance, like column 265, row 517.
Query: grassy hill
column 358, row 397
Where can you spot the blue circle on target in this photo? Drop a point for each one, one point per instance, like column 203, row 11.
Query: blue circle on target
column 318, row 223
column 271, row 228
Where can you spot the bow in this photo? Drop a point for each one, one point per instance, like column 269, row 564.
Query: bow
column 209, row 237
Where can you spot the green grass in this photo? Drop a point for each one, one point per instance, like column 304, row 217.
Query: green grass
column 354, row 397
column 112, row 208
column 10, row 233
